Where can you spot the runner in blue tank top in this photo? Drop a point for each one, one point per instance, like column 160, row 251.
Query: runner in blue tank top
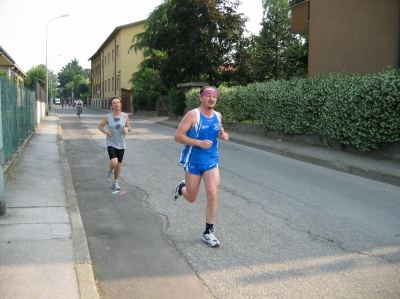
column 199, row 131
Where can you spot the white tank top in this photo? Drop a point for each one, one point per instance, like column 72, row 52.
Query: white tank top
column 116, row 125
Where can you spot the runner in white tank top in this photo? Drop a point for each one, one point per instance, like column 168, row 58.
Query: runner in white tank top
column 117, row 126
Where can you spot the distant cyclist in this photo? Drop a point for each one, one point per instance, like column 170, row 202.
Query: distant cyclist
column 79, row 105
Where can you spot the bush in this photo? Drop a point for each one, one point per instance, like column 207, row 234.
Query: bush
column 84, row 98
column 228, row 104
column 360, row 110
column 144, row 99
column 177, row 100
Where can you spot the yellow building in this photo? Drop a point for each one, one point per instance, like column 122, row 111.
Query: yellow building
column 352, row 36
column 112, row 67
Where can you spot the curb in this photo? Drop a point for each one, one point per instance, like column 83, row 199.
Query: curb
column 83, row 263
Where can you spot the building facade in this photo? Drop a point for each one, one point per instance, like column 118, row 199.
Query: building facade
column 112, row 67
column 351, row 36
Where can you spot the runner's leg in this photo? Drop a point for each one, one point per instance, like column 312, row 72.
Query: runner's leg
column 191, row 190
column 211, row 182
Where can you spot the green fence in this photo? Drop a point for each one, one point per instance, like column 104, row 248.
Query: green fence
column 18, row 115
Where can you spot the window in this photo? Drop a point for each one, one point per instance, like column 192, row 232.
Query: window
column 118, row 87
column 108, row 58
column 112, row 84
column 112, row 55
column 117, row 52
column 108, row 84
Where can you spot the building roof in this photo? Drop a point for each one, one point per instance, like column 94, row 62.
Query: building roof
column 111, row 36
column 7, row 60
column 295, row 2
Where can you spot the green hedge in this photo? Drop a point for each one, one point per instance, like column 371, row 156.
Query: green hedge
column 177, row 100
column 360, row 110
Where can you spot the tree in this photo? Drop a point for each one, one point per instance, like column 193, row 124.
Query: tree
column 146, row 87
column 204, row 38
column 278, row 53
column 147, row 84
column 242, row 72
column 37, row 73
column 79, row 84
column 189, row 40
column 145, row 41
column 67, row 75
column 53, row 85
column 87, row 74
column 68, row 90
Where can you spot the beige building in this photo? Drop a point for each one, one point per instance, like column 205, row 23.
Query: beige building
column 10, row 68
column 112, row 67
column 352, row 36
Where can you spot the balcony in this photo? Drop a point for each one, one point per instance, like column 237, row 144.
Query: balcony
column 300, row 16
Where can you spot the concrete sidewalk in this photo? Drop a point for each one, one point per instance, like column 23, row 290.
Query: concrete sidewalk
column 43, row 247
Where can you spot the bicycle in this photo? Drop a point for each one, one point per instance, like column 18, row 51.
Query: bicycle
column 79, row 111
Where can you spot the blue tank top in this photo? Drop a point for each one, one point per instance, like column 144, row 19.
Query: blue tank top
column 206, row 128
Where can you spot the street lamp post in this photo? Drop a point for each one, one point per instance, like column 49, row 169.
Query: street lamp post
column 47, row 71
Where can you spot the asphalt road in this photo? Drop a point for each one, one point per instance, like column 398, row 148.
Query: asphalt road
column 287, row 229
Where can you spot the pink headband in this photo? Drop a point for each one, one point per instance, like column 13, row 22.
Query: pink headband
column 209, row 91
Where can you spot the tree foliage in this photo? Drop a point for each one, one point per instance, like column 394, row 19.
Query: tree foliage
column 197, row 40
column 53, row 82
column 190, row 40
column 278, row 53
column 67, row 74
column 80, row 86
column 68, row 90
column 37, row 73
column 242, row 72
column 87, row 73
column 146, row 87
column 204, row 38
column 144, row 41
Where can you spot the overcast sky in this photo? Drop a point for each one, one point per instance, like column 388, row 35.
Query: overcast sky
column 78, row 36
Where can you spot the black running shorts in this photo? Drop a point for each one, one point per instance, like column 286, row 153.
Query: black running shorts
column 115, row 153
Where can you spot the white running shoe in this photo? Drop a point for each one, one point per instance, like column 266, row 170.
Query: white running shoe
column 176, row 192
column 210, row 239
column 110, row 176
column 116, row 186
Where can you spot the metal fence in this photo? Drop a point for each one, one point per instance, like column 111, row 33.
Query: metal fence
column 18, row 115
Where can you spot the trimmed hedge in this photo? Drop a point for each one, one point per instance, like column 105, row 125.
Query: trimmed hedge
column 177, row 100
column 360, row 110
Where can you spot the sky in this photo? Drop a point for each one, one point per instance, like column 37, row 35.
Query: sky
column 26, row 24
